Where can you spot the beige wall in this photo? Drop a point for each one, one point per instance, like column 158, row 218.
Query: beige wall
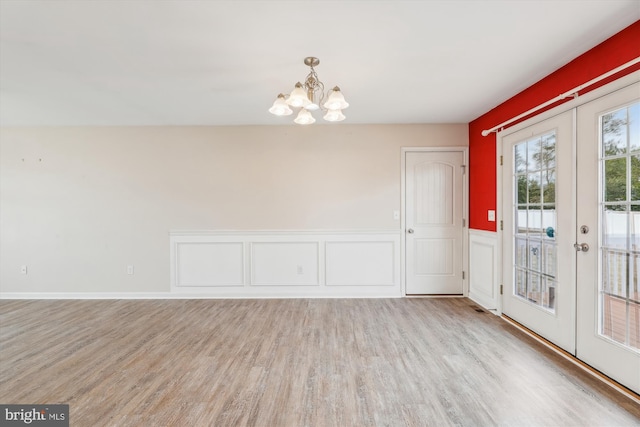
column 80, row 204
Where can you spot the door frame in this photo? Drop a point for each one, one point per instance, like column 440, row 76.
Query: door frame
column 570, row 105
column 465, row 213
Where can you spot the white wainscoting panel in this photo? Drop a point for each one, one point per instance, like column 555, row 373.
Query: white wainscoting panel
column 285, row 264
column 360, row 264
column 209, row 264
column 484, row 268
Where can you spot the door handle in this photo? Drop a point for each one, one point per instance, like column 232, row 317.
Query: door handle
column 581, row 247
column 410, row 230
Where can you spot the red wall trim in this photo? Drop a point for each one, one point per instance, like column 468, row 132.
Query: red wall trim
column 613, row 52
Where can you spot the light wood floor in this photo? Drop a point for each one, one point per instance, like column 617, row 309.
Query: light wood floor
column 333, row 362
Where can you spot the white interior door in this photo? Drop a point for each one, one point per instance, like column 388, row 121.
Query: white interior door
column 539, row 229
column 608, row 202
column 434, row 210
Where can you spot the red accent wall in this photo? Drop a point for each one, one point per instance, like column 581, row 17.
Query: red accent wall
column 613, row 52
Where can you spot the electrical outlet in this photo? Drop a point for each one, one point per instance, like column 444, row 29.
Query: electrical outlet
column 396, row 214
column 23, row 269
column 130, row 269
column 300, row 271
column 491, row 215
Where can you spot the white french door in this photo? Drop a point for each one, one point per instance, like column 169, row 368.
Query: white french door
column 608, row 214
column 538, row 255
column 571, row 240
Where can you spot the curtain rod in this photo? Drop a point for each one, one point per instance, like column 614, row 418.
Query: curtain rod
column 570, row 93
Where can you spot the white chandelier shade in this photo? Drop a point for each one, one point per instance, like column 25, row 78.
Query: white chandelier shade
column 304, row 118
column 309, row 96
column 280, row 107
column 336, row 100
column 334, row 116
column 298, row 97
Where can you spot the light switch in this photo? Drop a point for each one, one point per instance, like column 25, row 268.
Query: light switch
column 396, row 214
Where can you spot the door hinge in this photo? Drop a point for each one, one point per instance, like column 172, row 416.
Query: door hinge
column 501, row 225
column 464, row 222
column 464, row 169
column 501, row 289
column 463, row 275
column 500, row 160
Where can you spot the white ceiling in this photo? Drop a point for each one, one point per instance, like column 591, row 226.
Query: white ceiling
column 198, row 62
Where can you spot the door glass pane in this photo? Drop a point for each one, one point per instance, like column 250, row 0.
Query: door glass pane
column 535, row 259
column 548, row 152
column 549, row 256
column 548, row 187
column 521, row 189
column 634, row 228
column 635, row 177
column 520, row 153
column 534, row 187
column 533, row 289
column 521, row 253
column 534, row 221
column 620, row 227
column 615, row 179
column 634, row 127
column 521, row 220
column 549, row 221
column 614, row 133
column 549, row 294
column 634, row 324
column 614, row 227
column 533, row 154
column 633, row 292
column 521, row 283
column 615, row 273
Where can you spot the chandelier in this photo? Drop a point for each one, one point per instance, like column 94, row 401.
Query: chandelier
column 309, row 96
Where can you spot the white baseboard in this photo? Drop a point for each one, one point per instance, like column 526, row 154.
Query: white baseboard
column 164, row 295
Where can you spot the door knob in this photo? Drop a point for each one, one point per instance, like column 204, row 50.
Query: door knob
column 410, row 231
column 581, row 247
